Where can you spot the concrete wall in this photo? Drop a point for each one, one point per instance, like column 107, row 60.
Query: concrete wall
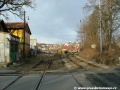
column 4, row 48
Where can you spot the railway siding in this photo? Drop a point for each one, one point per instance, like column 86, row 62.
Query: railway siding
column 91, row 63
column 82, row 64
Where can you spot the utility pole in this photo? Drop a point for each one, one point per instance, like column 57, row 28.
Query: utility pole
column 24, row 37
column 100, row 29
column 83, row 35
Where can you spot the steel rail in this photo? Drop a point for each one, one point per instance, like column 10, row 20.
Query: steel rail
column 77, row 64
column 72, row 74
column 34, row 66
column 90, row 64
column 13, row 81
column 20, row 76
column 40, row 80
column 10, row 74
column 76, row 79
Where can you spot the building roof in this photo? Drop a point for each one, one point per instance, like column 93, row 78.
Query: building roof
column 4, row 26
column 18, row 25
column 67, row 47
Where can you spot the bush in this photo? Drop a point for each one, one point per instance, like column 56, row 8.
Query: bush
column 107, row 57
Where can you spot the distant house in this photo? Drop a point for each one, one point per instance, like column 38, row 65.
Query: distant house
column 33, row 41
column 67, row 47
column 17, row 29
column 8, row 45
column 33, row 46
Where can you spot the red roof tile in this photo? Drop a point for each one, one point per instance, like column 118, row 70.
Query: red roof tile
column 67, row 47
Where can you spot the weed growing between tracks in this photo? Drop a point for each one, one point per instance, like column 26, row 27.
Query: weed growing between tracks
column 29, row 62
column 56, row 60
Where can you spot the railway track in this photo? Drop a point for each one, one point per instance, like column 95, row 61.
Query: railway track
column 39, row 82
column 40, row 79
column 100, row 79
column 71, row 71
column 82, row 64
column 90, row 64
column 74, row 74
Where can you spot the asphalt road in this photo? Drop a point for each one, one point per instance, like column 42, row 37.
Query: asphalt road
column 27, row 82
column 58, row 82
column 62, row 81
column 5, row 80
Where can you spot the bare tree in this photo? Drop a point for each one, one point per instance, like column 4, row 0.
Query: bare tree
column 15, row 6
column 110, row 19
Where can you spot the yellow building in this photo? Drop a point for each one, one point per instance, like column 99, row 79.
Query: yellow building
column 17, row 29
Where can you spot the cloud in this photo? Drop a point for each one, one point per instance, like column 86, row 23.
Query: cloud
column 55, row 20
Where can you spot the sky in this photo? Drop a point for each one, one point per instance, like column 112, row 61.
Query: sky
column 54, row 21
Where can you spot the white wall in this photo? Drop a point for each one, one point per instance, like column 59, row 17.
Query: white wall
column 4, row 47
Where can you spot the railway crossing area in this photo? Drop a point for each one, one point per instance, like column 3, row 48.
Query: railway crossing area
column 73, row 76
